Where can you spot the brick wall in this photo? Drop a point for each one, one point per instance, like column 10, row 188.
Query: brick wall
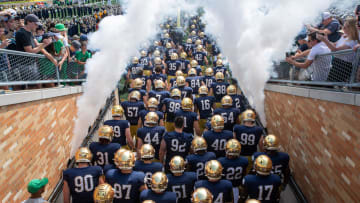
column 323, row 141
column 34, row 143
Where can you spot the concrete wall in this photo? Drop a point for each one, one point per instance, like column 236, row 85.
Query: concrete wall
column 35, row 132
column 321, row 132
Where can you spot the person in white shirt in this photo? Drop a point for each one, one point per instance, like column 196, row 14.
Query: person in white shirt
column 320, row 65
column 36, row 187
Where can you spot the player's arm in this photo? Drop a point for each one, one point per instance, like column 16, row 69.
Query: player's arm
column 243, row 193
column 261, row 146
column 129, row 139
column 206, row 61
column 66, row 192
column 139, row 122
column 101, row 179
column 162, row 151
column 197, row 128
column 212, row 94
column 145, row 98
column 148, row 85
column 139, row 143
column 161, row 122
column 142, row 187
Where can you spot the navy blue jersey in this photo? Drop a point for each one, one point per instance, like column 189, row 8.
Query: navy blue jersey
column 205, row 104
column 177, row 144
column 126, row 186
column 234, row 169
column 188, row 47
column 153, row 136
column 189, row 119
column 198, row 70
column 215, row 50
column 173, row 82
column 148, row 169
column 186, row 92
column 164, row 41
column 172, row 67
column 263, row 188
column 145, row 61
column 168, row 53
column 194, row 83
column 108, row 167
column 221, row 69
column 184, row 64
column 171, row 106
column 145, row 111
column 156, row 76
column 280, row 162
column 103, row 154
column 208, row 80
column 119, row 127
column 182, row 185
column 165, row 197
column 230, row 116
column 159, row 95
column 135, row 69
column 132, row 110
column 142, row 92
column 82, row 182
column 199, row 57
column 239, row 102
column 219, row 90
column 196, row 162
column 216, row 141
column 248, row 137
column 221, row 190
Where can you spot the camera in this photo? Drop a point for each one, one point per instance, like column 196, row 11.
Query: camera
column 288, row 54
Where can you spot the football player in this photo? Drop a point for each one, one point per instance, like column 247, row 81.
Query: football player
column 170, row 106
column 201, row 195
column 220, row 67
column 104, row 150
column 229, row 113
column 120, row 127
column 152, row 106
column 166, row 39
column 151, row 133
column 132, row 109
column 171, row 66
column 173, row 80
column 188, row 47
column 146, row 62
column 196, row 162
column 280, row 160
column 263, row 186
column 146, row 163
column 169, row 51
column 209, row 78
column 104, row 193
column 194, row 81
column 80, row 182
column 175, row 143
column 134, row 69
column 220, row 189
column 218, row 88
column 126, row 182
column 193, row 36
column 238, row 99
column 185, row 91
column 204, row 104
column 137, row 85
column 217, row 137
column 203, row 39
column 159, row 74
column 185, row 64
column 234, row 166
column 159, row 93
column 248, row 135
column 158, row 192
column 194, row 64
column 190, row 118
column 180, row 182
column 200, row 56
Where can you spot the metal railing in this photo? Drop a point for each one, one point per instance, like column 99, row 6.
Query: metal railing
column 335, row 69
column 22, row 68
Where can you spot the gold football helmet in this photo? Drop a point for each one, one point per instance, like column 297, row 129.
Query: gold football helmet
column 137, row 83
column 219, row 63
column 135, row 95
column 159, row 182
column 193, row 26
column 248, row 115
column 198, row 144
column 106, row 132
column 117, row 110
column 271, row 142
column 202, row 34
column 263, row 165
column 153, row 103
column 167, row 34
column 168, row 45
column 209, row 72
column 179, row 73
column 183, row 55
column 124, row 160
column 147, row 151
column 217, row 122
column 189, row 41
column 104, row 193
column 201, row 195
column 226, row 101
column 231, row 90
column 213, row 170
column 180, row 81
column 159, row 84
column 203, row 90
column 187, row 104
column 252, row 201
column 157, row 61
column 143, row 53
column 151, row 119
column 175, row 93
column 193, row 33
column 233, row 147
column 148, row 201
column 135, row 60
column 157, row 53
column 219, row 56
column 219, row 76
column 193, row 64
column 177, row 164
column 199, row 48
column 192, row 72
column 156, row 43
column 198, row 42
column 174, row 56
column 83, row 154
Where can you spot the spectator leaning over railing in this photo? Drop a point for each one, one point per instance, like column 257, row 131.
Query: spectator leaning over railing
column 4, row 63
column 321, row 65
column 80, row 58
column 342, row 64
column 329, row 26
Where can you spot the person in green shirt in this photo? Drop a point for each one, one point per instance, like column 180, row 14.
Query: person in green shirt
column 81, row 57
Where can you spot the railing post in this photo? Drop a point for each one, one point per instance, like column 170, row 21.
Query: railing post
column 57, row 75
column 355, row 66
